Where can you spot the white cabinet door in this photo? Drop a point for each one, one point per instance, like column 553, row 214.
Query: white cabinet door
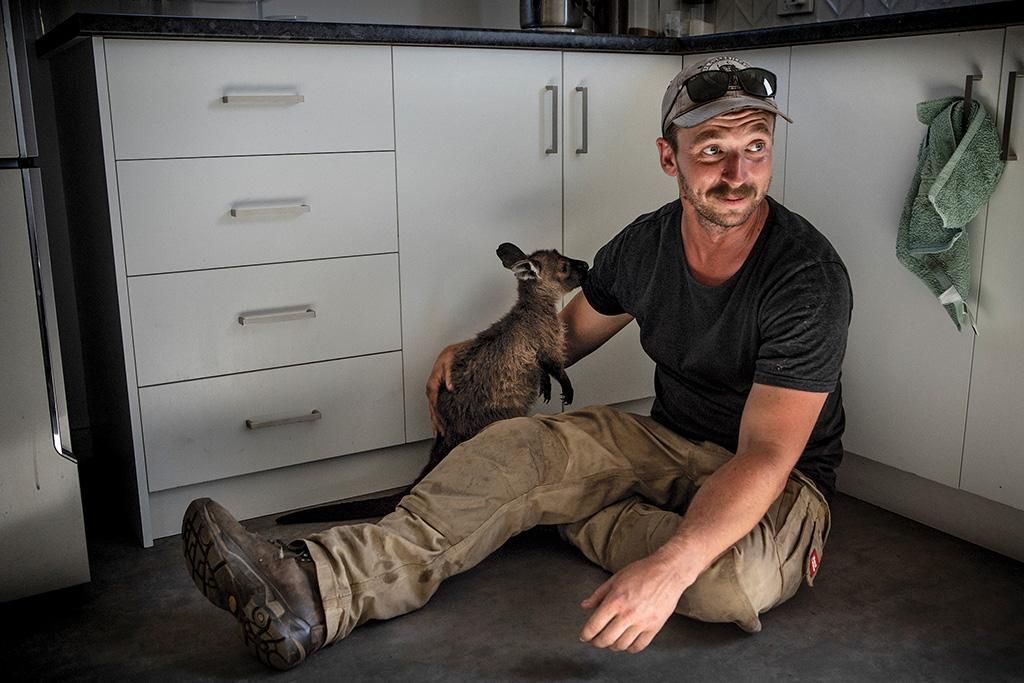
column 993, row 462
column 472, row 129
column 850, row 160
column 615, row 180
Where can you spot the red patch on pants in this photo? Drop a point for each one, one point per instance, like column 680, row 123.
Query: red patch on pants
column 813, row 563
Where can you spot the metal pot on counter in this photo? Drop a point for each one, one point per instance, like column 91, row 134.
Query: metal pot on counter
column 551, row 15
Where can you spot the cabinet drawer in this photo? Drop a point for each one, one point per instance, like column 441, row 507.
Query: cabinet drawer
column 214, row 322
column 198, row 431
column 198, row 98
column 187, row 214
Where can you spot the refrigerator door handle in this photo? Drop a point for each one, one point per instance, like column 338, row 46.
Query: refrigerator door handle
column 45, row 304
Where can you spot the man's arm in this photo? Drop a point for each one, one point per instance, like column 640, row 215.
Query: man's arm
column 633, row 605
column 586, row 329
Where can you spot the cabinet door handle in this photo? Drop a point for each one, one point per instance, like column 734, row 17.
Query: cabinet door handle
column 269, row 211
column 553, row 149
column 584, row 90
column 1011, row 82
column 277, row 316
column 265, row 421
column 263, row 99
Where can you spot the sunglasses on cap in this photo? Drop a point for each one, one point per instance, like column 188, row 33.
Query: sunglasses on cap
column 710, row 85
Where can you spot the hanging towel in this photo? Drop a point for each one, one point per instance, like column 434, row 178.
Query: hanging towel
column 957, row 171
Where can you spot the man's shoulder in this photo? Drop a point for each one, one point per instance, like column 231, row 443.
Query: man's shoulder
column 650, row 226
column 796, row 239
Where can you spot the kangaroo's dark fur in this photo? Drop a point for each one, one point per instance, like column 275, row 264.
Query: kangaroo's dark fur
column 497, row 375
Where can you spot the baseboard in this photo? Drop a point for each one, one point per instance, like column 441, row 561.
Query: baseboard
column 975, row 519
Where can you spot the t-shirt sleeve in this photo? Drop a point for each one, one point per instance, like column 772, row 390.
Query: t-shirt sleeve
column 804, row 325
column 602, row 281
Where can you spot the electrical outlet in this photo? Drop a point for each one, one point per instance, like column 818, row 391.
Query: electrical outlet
column 795, row 7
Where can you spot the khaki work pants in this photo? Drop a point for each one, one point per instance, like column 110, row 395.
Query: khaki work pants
column 612, row 479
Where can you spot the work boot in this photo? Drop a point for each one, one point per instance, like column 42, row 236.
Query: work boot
column 269, row 587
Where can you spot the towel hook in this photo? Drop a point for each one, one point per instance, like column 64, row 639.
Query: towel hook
column 1006, row 154
column 968, row 94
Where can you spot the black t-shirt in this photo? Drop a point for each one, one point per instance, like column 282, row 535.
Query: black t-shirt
column 781, row 320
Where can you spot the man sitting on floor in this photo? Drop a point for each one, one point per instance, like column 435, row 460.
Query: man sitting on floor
column 713, row 507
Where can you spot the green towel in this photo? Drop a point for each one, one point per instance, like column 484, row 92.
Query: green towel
column 956, row 173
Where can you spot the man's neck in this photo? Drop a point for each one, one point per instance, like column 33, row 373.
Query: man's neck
column 714, row 253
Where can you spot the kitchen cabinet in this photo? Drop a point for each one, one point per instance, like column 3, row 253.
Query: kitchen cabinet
column 489, row 151
column 356, row 210
column 249, row 263
column 611, row 175
column 473, row 129
column 850, row 159
column 364, row 228
column 992, row 464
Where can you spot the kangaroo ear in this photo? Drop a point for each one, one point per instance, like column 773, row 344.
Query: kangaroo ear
column 525, row 270
column 510, row 254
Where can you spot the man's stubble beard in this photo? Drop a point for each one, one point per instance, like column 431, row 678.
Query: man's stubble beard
column 714, row 220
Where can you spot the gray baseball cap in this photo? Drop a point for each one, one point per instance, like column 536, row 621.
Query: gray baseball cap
column 678, row 108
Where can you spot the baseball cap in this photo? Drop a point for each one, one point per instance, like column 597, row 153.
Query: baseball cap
column 677, row 106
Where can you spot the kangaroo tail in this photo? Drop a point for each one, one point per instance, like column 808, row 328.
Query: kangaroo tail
column 345, row 510
column 365, row 508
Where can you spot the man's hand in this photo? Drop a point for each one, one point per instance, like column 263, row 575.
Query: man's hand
column 442, row 372
column 633, row 605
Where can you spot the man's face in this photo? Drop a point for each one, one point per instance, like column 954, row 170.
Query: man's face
column 724, row 165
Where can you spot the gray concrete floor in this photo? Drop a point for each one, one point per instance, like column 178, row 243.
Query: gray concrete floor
column 894, row 601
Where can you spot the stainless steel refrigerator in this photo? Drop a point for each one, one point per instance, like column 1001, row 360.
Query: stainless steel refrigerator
column 42, row 531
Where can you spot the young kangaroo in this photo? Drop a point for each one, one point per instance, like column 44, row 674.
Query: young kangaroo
column 497, row 375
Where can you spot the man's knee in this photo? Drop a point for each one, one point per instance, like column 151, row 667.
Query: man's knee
column 517, row 453
column 622, row 533
column 767, row 566
column 521, row 430
column 724, row 592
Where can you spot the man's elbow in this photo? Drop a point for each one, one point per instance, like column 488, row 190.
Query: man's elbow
column 773, row 465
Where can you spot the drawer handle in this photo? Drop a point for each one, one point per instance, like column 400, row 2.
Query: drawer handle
column 268, row 211
column 276, row 316
column 276, row 421
column 263, row 99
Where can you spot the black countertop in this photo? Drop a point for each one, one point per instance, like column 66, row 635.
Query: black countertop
column 972, row 17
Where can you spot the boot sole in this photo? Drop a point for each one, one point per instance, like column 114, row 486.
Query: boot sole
column 223, row 574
